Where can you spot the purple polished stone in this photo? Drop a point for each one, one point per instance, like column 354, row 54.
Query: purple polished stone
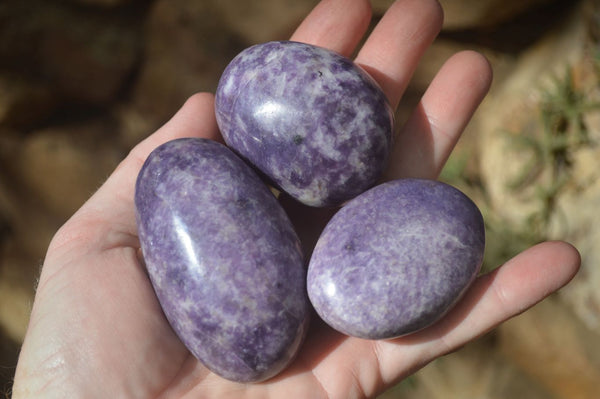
column 310, row 119
column 223, row 258
column 396, row 258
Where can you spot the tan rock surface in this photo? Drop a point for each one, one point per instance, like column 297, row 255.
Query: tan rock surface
column 556, row 349
column 557, row 198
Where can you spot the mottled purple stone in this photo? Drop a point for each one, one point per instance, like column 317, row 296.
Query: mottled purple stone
column 315, row 123
column 223, row 258
column 395, row 259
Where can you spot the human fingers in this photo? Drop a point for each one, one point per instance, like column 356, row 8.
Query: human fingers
column 394, row 48
column 426, row 140
column 335, row 24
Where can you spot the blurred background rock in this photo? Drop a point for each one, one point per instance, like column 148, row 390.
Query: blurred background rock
column 82, row 81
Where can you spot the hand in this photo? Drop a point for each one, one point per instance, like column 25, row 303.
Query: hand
column 97, row 330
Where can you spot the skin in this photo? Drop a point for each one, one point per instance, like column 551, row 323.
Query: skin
column 96, row 328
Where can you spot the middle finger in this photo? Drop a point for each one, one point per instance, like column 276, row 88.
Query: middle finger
column 394, row 48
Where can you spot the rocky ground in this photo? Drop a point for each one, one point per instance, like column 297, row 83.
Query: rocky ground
column 82, row 81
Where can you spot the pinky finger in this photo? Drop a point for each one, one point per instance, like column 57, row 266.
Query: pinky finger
column 494, row 298
column 431, row 132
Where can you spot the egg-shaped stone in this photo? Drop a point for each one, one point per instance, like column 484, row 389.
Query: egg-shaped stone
column 314, row 122
column 223, row 258
column 396, row 258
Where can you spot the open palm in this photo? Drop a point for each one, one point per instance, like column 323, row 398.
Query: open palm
column 97, row 330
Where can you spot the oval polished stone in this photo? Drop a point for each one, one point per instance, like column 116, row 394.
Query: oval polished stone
column 223, row 258
column 395, row 259
column 311, row 120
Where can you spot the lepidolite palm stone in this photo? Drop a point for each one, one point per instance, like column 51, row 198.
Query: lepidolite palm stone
column 311, row 120
column 223, row 259
column 395, row 259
